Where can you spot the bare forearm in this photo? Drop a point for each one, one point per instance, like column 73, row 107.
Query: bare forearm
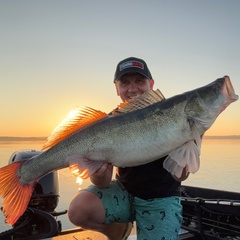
column 103, row 176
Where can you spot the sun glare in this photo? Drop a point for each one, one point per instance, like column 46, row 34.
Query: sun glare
column 80, row 175
column 79, row 180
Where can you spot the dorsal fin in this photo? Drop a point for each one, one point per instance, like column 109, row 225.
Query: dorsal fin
column 75, row 120
column 141, row 101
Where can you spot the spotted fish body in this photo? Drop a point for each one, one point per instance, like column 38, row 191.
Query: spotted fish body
column 130, row 138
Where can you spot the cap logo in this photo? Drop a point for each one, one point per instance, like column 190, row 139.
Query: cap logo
column 130, row 64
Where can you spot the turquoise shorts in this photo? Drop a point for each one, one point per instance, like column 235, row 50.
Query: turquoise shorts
column 158, row 218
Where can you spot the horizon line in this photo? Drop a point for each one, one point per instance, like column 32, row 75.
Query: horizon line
column 12, row 138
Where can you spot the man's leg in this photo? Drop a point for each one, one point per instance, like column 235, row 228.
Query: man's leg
column 158, row 218
column 104, row 210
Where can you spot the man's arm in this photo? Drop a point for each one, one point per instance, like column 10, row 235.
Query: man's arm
column 103, row 176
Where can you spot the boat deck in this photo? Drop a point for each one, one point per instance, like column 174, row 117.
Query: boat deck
column 82, row 235
column 79, row 234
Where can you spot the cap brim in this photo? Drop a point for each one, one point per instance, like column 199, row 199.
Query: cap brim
column 136, row 70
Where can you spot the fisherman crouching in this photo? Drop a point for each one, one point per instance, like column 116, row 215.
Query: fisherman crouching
column 146, row 194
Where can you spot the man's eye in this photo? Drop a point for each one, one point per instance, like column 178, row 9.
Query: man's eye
column 140, row 81
column 124, row 83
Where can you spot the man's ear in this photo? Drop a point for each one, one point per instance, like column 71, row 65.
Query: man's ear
column 151, row 83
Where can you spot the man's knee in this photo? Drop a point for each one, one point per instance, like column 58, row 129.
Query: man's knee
column 74, row 213
column 77, row 209
column 85, row 208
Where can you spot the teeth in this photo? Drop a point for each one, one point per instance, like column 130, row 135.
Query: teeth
column 132, row 97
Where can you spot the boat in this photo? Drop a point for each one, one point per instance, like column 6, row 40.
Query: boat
column 207, row 213
column 210, row 213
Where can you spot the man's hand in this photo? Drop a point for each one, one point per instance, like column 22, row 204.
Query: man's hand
column 103, row 176
column 184, row 175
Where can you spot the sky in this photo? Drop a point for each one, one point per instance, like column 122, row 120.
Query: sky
column 56, row 55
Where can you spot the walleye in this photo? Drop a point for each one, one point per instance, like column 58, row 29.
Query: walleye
column 125, row 138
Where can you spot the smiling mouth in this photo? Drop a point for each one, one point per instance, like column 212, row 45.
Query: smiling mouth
column 131, row 97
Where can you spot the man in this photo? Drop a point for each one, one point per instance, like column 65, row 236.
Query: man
column 147, row 194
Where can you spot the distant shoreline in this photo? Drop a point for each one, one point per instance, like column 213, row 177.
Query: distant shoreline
column 7, row 138
column 23, row 138
column 223, row 137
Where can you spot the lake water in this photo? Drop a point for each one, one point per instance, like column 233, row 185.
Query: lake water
column 220, row 169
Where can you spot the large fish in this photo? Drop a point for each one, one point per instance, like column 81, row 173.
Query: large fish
column 125, row 138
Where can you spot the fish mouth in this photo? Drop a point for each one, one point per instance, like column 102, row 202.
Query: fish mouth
column 228, row 90
column 228, row 93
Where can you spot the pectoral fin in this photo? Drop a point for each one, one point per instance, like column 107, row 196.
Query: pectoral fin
column 186, row 155
column 83, row 167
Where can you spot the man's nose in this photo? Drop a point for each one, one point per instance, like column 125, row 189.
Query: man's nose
column 132, row 87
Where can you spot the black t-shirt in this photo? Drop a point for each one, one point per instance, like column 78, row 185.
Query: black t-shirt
column 149, row 181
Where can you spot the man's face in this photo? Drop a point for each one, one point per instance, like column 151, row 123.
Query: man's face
column 132, row 84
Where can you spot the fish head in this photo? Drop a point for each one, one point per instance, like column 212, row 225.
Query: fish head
column 206, row 103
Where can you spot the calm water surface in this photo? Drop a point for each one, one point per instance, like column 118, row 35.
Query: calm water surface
column 220, row 169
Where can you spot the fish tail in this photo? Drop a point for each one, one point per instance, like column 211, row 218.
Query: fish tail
column 15, row 195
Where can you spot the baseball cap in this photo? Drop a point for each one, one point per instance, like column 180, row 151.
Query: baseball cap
column 132, row 65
